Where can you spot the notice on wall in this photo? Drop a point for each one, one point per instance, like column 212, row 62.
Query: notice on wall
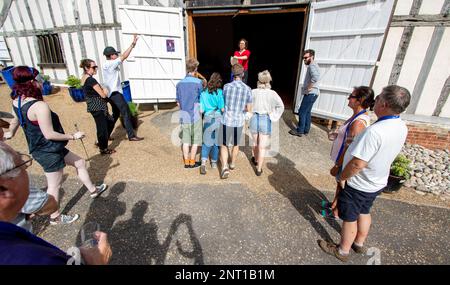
column 170, row 45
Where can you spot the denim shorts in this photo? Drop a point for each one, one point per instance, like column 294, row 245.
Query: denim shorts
column 351, row 203
column 260, row 124
column 51, row 161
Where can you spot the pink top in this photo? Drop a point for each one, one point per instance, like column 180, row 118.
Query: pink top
column 341, row 133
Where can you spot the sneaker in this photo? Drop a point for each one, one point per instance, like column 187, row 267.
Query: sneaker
column 135, row 139
column 359, row 249
column 224, row 174
column 203, row 169
column 232, row 166
column 259, row 172
column 64, row 219
column 333, row 249
column 195, row 165
column 99, row 190
column 213, row 165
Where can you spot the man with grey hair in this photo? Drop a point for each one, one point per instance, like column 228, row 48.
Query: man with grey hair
column 17, row 245
column 366, row 170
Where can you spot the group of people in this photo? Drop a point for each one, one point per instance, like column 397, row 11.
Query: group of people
column 362, row 154
column 212, row 115
column 224, row 113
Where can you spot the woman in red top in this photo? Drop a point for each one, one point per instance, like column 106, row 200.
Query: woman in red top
column 243, row 55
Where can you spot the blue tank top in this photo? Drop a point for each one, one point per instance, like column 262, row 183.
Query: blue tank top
column 35, row 138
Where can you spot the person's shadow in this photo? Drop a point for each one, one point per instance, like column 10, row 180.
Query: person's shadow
column 136, row 242
column 105, row 209
column 306, row 199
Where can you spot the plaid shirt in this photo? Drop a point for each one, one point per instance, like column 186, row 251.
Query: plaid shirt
column 237, row 95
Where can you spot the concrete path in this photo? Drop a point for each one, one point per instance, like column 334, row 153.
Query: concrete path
column 230, row 224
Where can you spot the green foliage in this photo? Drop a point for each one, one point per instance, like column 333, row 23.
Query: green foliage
column 73, row 81
column 133, row 109
column 46, row 77
column 401, row 167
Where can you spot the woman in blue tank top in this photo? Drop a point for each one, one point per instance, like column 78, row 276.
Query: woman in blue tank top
column 46, row 138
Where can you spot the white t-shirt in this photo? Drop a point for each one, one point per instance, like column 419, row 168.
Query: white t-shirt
column 111, row 75
column 378, row 145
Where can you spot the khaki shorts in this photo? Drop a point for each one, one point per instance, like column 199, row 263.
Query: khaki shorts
column 192, row 133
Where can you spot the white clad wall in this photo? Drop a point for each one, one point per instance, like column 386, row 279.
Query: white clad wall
column 153, row 68
column 347, row 37
column 432, row 7
column 415, row 56
column 404, row 7
column 436, row 79
column 414, row 59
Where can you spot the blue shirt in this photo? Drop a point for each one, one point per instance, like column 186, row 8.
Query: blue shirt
column 211, row 102
column 20, row 247
column 188, row 96
column 237, row 95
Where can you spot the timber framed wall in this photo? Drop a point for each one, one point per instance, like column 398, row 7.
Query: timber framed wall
column 84, row 28
column 416, row 55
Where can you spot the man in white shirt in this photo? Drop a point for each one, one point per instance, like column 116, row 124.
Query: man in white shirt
column 111, row 79
column 366, row 170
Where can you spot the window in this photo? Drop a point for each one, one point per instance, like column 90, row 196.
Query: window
column 50, row 51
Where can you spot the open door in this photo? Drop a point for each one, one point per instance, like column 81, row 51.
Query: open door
column 347, row 36
column 158, row 61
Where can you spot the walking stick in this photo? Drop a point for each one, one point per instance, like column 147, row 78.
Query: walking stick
column 82, row 143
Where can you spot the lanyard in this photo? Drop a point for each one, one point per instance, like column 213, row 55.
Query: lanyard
column 341, row 149
column 19, row 112
column 387, row 118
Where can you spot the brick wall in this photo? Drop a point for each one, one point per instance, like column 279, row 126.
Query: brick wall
column 429, row 136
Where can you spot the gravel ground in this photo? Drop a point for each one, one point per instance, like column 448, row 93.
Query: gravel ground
column 245, row 219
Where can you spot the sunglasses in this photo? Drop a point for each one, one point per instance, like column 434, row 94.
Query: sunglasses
column 27, row 162
column 94, row 67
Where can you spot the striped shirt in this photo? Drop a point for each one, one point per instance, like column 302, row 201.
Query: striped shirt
column 237, row 95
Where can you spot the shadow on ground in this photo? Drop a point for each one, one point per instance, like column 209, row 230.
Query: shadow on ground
column 135, row 241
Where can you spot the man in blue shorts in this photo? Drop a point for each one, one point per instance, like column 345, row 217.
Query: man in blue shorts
column 366, row 170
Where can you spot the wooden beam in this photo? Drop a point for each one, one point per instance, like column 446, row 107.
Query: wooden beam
column 191, row 36
column 65, row 29
column 5, row 11
column 428, row 61
column 217, row 12
column 403, row 46
column 443, row 98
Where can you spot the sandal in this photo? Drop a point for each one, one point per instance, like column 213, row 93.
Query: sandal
column 107, row 151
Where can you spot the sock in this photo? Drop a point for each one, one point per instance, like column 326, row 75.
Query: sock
column 186, row 161
column 203, row 161
column 358, row 244
column 191, row 161
column 341, row 252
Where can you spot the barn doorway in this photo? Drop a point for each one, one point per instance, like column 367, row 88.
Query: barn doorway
column 275, row 43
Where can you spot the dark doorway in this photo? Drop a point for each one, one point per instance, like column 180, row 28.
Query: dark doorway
column 274, row 42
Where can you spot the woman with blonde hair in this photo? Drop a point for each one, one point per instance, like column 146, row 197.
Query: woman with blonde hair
column 267, row 108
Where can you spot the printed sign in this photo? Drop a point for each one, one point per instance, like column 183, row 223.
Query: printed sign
column 170, row 44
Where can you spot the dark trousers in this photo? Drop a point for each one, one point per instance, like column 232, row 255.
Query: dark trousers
column 104, row 126
column 245, row 78
column 304, row 113
column 120, row 107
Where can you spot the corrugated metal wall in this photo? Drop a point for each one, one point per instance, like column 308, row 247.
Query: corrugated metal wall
column 417, row 56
